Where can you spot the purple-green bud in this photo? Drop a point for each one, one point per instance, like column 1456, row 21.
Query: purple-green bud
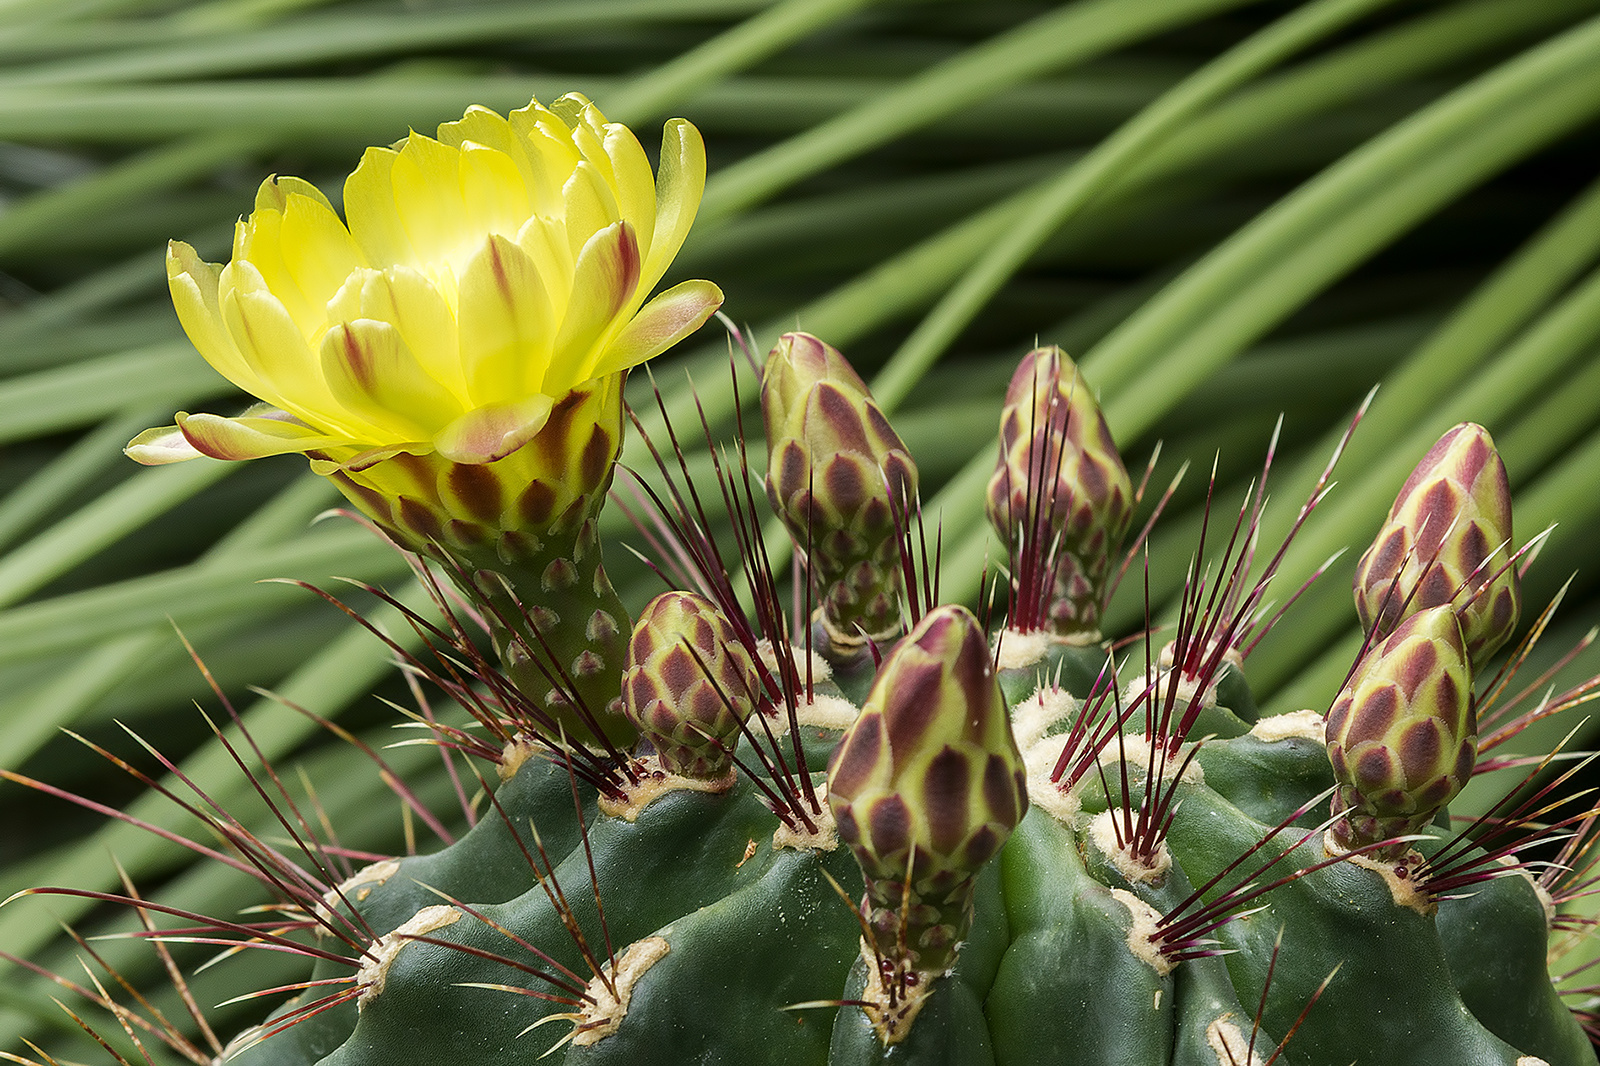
column 689, row 684
column 837, row 474
column 1060, row 489
column 1449, row 530
column 1403, row 734
column 927, row 785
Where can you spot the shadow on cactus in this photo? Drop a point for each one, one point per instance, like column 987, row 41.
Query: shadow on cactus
column 853, row 824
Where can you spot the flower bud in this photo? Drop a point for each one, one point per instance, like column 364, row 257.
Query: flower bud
column 1403, row 734
column 689, row 684
column 837, row 475
column 928, row 784
column 1449, row 530
column 1060, row 491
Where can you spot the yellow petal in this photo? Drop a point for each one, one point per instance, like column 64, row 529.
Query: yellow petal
column 489, row 129
column 493, row 190
column 659, row 325
column 590, row 207
column 194, row 285
column 407, row 300
column 632, row 183
column 286, row 185
column 427, row 196
column 545, row 241
column 550, row 155
column 369, row 204
column 252, row 436
column 374, row 376
column 287, row 373
column 570, row 108
column 680, row 182
column 494, row 432
column 604, row 283
column 318, row 251
column 258, row 242
column 506, row 324
column 158, row 447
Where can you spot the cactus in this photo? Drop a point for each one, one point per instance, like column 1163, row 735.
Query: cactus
column 920, row 848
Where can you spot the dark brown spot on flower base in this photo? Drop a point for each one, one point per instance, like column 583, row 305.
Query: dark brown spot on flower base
column 678, row 669
column 981, row 847
column 640, row 692
column 889, row 825
column 857, row 756
column 370, row 501
column 464, row 534
column 1417, row 667
column 1436, row 511
column 1375, row 769
column 1471, row 462
column 1503, row 612
column 1422, row 750
column 1336, row 717
column 1446, row 693
column 946, row 789
column 476, row 489
column 419, row 518
column 846, row 483
column 844, row 821
column 1435, row 589
column 418, row 469
column 536, row 504
column 1000, row 792
column 915, row 701
column 1472, row 549
column 598, row 454
column 1373, row 715
column 1341, row 769
column 1384, row 558
column 554, row 442
column 839, row 418
column 1435, row 794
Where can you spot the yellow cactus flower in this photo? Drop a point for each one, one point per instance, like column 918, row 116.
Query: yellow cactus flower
column 482, row 277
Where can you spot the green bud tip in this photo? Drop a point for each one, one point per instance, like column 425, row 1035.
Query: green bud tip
column 1449, row 530
column 837, row 476
column 928, row 784
column 689, row 684
column 1402, row 735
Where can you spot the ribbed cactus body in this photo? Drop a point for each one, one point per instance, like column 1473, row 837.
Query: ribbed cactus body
column 1046, row 972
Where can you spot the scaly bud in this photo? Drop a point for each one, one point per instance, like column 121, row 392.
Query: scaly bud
column 926, row 786
column 1403, row 734
column 1059, row 495
column 689, row 685
column 837, row 474
column 1448, row 537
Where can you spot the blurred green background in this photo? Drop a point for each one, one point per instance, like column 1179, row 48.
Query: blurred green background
column 1227, row 211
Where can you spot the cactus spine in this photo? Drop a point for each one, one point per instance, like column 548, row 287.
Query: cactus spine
column 1076, row 877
